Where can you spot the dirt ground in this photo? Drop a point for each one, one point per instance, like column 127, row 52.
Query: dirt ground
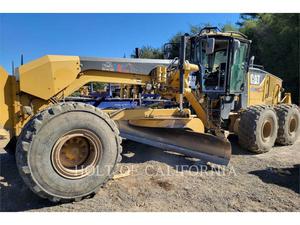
column 162, row 181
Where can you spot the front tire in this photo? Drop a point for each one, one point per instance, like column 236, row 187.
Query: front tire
column 258, row 128
column 68, row 151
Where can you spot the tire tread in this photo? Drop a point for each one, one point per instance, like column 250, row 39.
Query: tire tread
column 248, row 125
column 282, row 111
column 32, row 128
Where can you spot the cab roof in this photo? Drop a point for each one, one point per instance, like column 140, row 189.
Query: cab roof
column 214, row 31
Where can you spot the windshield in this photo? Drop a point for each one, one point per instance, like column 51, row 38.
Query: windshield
column 213, row 66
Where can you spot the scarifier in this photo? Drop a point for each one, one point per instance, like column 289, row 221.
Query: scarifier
column 66, row 149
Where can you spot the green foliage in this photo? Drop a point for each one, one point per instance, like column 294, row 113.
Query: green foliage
column 157, row 53
column 246, row 17
column 149, row 52
column 98, row 86
column 229, row 27
column 275, row 45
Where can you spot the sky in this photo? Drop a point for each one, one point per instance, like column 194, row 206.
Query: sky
column 100, row 35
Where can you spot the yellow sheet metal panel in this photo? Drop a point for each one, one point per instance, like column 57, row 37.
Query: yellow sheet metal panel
column 47, row 76
column 141, row 113
column 264, row 88
column 103, row 77
column 287, row 99
column 191, row 123
column 195, row 125
column 256, row 88
column 274, row 89
column 6, row 101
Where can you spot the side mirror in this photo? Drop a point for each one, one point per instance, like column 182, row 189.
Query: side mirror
column 210, row 46
column 171, row 50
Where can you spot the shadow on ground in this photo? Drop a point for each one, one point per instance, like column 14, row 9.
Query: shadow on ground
column 236, row 148
column 284, row 177
column 15, row 196
column 134, row 152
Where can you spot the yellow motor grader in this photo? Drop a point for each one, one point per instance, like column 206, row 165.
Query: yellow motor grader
column 67, row 148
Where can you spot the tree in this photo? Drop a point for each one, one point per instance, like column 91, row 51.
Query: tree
column 275, row 44
column 246, row 17
column 157, row 53
column 150, row 53
column 229, row 27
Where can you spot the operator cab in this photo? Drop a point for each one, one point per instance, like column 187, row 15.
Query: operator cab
column 222, row 59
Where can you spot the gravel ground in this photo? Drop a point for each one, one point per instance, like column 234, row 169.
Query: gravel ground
column 162, row 181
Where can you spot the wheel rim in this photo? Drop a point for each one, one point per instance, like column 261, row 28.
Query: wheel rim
column 267, row 130
column 293, row 125
column 76, row 154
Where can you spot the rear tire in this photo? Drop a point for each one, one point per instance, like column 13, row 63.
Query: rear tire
column 49, row 164
column 288, row 124
column 258, row 128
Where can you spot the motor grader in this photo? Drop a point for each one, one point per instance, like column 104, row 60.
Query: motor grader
column 66, row 149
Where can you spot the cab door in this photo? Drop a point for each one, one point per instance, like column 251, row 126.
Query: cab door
column 238, row 67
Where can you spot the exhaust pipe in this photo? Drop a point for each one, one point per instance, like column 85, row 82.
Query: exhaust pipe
column 206, row 147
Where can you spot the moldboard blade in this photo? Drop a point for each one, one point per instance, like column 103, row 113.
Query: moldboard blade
column 203, row 146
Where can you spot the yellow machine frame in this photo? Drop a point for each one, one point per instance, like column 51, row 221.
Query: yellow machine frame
column 27, row 99
column 60, row 76
column 267, row 92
